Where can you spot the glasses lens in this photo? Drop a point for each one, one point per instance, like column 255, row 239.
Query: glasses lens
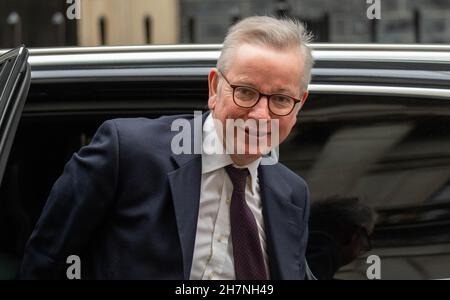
column 245, row 96
column 281, row 105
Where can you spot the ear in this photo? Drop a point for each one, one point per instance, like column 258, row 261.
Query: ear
column 213, row 82
column 305, row 96
column 299, row 105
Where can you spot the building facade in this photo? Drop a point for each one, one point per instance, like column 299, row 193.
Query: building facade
column 45, row 23
column 344, row 21
column 130, row 22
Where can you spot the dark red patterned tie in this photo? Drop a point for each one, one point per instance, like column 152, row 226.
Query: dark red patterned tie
column 247, row 253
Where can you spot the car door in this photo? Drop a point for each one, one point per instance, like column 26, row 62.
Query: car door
column 14, row 84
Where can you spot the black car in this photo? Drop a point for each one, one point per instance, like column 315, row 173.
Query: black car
column 376, row 126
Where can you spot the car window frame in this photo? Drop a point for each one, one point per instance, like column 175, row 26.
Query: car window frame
column 13, row 93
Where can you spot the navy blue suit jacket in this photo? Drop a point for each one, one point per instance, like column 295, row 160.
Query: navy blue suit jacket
column 128, row 208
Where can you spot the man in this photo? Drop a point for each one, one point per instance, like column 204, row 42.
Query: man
column 130, row 207
column 340, row 230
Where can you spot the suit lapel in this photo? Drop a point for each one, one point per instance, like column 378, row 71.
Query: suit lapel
column 184, row 184
column 185, row 187
column 283, row 228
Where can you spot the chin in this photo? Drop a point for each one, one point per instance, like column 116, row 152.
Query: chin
column 244, row 159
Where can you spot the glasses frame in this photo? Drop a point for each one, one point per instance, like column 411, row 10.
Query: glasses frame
column 260, row 95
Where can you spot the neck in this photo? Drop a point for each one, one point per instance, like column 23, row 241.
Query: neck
column 242, row 159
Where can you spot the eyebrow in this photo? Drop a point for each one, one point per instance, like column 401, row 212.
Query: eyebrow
column 282, row 91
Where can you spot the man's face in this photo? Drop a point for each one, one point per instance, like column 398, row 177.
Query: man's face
column 267, row 70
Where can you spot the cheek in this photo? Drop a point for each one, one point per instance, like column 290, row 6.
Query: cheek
column 228, row 109
column 222, row 110
column 221, row 107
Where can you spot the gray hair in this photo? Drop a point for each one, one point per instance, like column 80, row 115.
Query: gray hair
column 268, row 31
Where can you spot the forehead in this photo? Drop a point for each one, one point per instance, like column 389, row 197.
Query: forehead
column 268, row 67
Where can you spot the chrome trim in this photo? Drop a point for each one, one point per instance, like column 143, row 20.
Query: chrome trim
column 384, row 73
column 391, row 56
column 115, row 49
column 379, row 90
column 347, row 52
column 382, row 53
column 121, row 49
column 117, row 58
column 218, row 47
column 382, row 47
column 122, row 58
column 124, row 74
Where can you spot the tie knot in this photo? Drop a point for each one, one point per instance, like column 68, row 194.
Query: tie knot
column 238, row 177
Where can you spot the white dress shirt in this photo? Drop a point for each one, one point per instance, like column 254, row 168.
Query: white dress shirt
column 213, row 251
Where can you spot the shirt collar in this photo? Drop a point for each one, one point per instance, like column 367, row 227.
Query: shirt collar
column 214, row 161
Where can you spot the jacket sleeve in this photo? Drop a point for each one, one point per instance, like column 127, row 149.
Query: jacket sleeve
column 77, row 203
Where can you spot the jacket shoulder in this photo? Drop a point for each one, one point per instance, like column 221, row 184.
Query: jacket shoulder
column 129, row 125
column 144, row 131
column 292, row 178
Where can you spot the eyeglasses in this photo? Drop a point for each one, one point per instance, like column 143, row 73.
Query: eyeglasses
column 247, row 97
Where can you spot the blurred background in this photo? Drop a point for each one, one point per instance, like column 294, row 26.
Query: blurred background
column 52, row 23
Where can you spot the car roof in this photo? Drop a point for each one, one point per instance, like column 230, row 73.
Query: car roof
column 405, row 70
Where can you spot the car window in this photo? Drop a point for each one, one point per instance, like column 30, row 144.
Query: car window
column 390, row 151
column 57, row 120
column 394, row 154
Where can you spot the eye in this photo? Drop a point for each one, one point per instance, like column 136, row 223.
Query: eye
column 281, row 100
column 245, row 93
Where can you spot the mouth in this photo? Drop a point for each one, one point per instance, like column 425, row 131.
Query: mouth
column 259, row 134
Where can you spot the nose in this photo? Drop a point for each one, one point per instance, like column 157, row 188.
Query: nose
column 261, row 110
